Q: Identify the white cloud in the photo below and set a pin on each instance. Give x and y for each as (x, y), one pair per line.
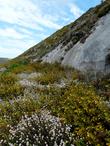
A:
(9, 52)
(15, 47)
(24, 13)
(29, 21)
(10, 32)
(17, 43)
(77, 12)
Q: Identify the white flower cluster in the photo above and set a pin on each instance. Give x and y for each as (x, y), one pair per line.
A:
(40, 129)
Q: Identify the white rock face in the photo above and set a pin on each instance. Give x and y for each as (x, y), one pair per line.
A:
(93, 54)
(54, 55)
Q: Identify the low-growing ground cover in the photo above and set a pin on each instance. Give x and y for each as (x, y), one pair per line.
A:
(72, 113)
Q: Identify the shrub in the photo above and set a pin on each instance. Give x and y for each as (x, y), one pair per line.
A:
(104, 10)
(11, 113)
(8, 78)
(85, 111)
(18, 66)
(9, 88)
(10, 91)
(40, 129)
(46, 67)
(52, 73)
(3, 129)
(48, 78)
(14, 110)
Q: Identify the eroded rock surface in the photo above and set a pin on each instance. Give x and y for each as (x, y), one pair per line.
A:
(92, 55)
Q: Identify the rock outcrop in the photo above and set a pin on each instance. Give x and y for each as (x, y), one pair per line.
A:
(83, 44)
(93, 54)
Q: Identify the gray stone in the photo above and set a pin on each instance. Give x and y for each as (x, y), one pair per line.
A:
(92, 55)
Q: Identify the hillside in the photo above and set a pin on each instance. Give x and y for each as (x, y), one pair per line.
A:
(53, 94)
(83, 44)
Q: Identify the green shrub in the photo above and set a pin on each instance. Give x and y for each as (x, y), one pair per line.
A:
(11, 113)
(104, 10)
(19, 66)
(85, 111)
(4, 129)
(8, 78)
(10, 91)
(48, 78)
(51, 73)
(9, 88)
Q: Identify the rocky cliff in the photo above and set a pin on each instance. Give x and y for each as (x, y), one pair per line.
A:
(83, 44)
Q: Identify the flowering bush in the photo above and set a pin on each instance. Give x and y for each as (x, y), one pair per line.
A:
(88, 114)
(40, 129)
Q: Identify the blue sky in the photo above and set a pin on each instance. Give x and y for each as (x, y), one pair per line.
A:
(24, 23)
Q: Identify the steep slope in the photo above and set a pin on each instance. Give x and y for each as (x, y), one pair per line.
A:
(94, 54)
(83, 44)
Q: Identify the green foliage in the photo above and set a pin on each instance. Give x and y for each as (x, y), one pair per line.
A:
(50, 92)
(11, 113)
(47, 67)
(9, 88)
(8, 78)
(49, 78)
(3, 129)
(101, 11)
(51, 73)
(85, 111)
(103, 87)
(19, 66)
(10, 91)
(76, 104)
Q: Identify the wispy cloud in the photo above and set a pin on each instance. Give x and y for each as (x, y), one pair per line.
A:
(9, 52)
(11, 33)
(24, 13)
(15, 47)
(77, 12)
(23, 23)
